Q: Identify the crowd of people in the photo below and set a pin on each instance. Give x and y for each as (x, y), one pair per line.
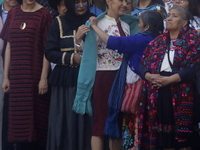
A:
(76, 75)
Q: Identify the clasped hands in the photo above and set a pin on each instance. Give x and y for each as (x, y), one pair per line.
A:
(157, 80)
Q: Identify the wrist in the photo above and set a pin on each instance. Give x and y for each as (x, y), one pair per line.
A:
(147, 76)
(43, 78)
(78, 41)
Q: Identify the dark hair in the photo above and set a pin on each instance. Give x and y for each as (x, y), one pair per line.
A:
(154, 20)
(184, 13)
(70, 5)
(19, 1)
(193, 8)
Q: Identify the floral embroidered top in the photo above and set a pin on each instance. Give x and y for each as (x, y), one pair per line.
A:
(108, 59)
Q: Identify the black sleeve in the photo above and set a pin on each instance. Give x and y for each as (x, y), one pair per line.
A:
(52, 51)
(143, 70)
(187, 74)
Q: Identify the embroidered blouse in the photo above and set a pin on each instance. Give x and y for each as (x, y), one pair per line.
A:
(108, 59)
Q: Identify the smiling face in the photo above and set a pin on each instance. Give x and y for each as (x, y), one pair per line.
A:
(81, 6)
(174, 21)
(129, 6)
(116, 7)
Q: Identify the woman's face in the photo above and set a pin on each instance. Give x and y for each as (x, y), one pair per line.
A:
(182, 3)
(80, 7)
(117, 7)
(141, 25)
(129, 6)
(62, 8)
(174, 21)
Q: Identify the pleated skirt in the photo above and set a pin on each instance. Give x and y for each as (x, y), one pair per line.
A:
(67, 130)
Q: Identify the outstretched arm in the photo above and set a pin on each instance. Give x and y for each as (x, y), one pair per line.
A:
(104, 36)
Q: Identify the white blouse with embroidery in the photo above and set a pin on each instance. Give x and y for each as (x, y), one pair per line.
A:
(109, 59)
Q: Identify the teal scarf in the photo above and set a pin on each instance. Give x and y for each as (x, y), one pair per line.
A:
(86, 77)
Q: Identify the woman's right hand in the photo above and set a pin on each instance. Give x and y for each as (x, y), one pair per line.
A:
(93, 21)
(6, 85)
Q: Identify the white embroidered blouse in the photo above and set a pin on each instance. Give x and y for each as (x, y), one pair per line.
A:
(108, 59)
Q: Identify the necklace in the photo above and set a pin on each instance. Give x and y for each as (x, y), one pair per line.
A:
(23, 24)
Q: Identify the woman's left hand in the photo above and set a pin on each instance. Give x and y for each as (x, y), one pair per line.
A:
(43, 86)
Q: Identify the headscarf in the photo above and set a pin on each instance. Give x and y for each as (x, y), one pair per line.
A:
(76, 20)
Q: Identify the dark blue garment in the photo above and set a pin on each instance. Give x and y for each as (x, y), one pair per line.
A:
(133, 45)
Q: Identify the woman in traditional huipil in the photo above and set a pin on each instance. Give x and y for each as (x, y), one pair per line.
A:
(67, 130)
(25, 72)
(168, 66)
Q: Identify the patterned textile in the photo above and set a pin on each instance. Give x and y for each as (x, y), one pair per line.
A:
(130, 132)
(186, 55)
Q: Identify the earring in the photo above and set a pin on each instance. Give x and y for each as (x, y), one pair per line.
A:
(110, 6)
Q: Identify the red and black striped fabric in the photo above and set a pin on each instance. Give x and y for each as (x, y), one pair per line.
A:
(28, 111)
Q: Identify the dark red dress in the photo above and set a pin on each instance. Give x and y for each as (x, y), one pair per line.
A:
(28, 111)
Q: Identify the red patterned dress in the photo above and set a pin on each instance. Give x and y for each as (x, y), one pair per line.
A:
(28, 111)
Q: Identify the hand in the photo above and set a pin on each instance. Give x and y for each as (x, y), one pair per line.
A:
(6, 85)
(80, 33)
(162, 81)
(77, 58)
(43, 86)
(151, 77)
(93, 21)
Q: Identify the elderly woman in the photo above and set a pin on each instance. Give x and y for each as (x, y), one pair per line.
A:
(167, 97)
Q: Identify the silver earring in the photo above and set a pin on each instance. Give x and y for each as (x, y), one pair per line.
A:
(110, 6)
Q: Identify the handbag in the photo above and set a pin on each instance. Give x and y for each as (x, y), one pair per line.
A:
(130, 102)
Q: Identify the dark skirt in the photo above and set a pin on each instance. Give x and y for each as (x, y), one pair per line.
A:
(102, 87)
(67, 130)
(166, 120)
